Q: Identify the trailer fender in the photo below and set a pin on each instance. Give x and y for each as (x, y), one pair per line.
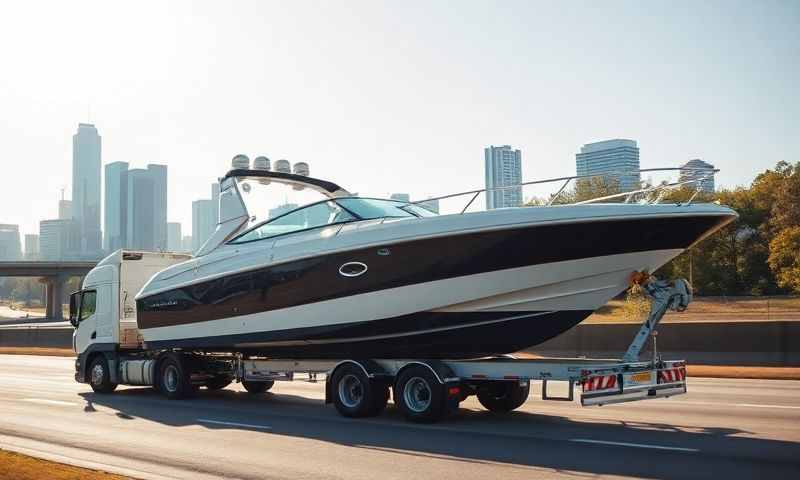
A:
(371, 369)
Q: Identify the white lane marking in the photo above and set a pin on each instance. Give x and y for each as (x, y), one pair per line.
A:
(744, 405)
(49, 402)
(234, 424)
(635, 445)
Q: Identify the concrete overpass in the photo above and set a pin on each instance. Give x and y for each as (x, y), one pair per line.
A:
(53, 274)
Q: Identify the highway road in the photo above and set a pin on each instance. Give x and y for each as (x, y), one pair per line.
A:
(723, 428)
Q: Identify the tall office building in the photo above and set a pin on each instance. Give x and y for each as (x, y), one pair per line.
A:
(174, 237)
(613, 160)
(158, 174)
(186, 243)
(86, 188)
(31, 246)
(10, 248)
(503, 167)
(696, 169)
(64, 208)
(136, 207)
(115, 231)
(403, 197)
(140, 213)
(205, 216)
(59, 239)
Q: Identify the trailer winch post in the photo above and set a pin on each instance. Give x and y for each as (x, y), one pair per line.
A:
(664, 295)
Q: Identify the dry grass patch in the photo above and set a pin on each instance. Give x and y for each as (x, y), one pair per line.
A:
(761, 373)
(22, 467)
(52, 352)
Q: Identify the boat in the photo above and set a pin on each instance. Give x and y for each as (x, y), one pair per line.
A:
(342, 276)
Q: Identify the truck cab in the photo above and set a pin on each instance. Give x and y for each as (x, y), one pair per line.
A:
(103, 311)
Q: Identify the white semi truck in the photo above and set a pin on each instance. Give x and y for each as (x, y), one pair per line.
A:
(110, 352)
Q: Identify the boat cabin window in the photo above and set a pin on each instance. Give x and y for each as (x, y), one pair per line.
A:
(312, 216)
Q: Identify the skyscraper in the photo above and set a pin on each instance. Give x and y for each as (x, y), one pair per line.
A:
(503, 168)
(10, 248)
(607, 159)
(31, 246)
(205, 216)
(693, 170)
(140, 213)
(64, 208)
(86, 153)
(58, 239)
(158, 174)
(403, 197)
(116, 211)
(174, 237)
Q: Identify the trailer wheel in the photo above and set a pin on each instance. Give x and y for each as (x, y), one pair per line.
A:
(100, 376)
(257, 387)
(355, 394)
(174, 381)
(219, 382)
(420, 395)
(503, 396)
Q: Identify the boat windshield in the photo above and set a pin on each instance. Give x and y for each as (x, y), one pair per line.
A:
(331, 212)
(313, 216)
(370, 208)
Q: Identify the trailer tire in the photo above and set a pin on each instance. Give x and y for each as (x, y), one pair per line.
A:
(355, 394)
(219, 382)
(257, 387)
(100, 375)
(503, 396)
(174, 380)
(420, 395)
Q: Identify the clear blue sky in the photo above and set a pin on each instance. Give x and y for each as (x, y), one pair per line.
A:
(390, 97)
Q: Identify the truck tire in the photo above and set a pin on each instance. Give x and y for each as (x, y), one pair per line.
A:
(100, 375)
(419, 395)
(356, 395)
(174, 380)
(219, 382)
(503, 397)
(257, 387)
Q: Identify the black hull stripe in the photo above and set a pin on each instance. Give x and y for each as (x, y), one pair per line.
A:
(473, 335)
(317, 279)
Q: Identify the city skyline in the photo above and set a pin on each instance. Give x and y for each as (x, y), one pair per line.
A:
(401, 88)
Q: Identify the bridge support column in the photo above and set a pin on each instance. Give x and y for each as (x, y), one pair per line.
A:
(54, 287)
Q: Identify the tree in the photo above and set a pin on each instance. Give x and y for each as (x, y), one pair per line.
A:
(784, 258)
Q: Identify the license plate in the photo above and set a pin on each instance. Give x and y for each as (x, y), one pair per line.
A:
(641, 377)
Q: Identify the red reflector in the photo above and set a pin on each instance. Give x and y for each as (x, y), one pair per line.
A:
(454, 391)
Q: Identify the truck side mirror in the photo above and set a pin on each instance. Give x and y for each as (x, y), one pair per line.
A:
(73, 308)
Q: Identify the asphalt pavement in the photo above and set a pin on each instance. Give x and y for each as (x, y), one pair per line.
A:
(722, 428)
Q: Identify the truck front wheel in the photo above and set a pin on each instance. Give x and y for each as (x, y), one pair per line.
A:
(100, 376)
(174, 380)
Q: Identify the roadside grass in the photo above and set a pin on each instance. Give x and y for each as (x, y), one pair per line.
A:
(709, 309)
(759, 373)
(22, 467)
(46, 351)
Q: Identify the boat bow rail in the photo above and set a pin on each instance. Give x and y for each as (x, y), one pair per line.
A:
(649, 194)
